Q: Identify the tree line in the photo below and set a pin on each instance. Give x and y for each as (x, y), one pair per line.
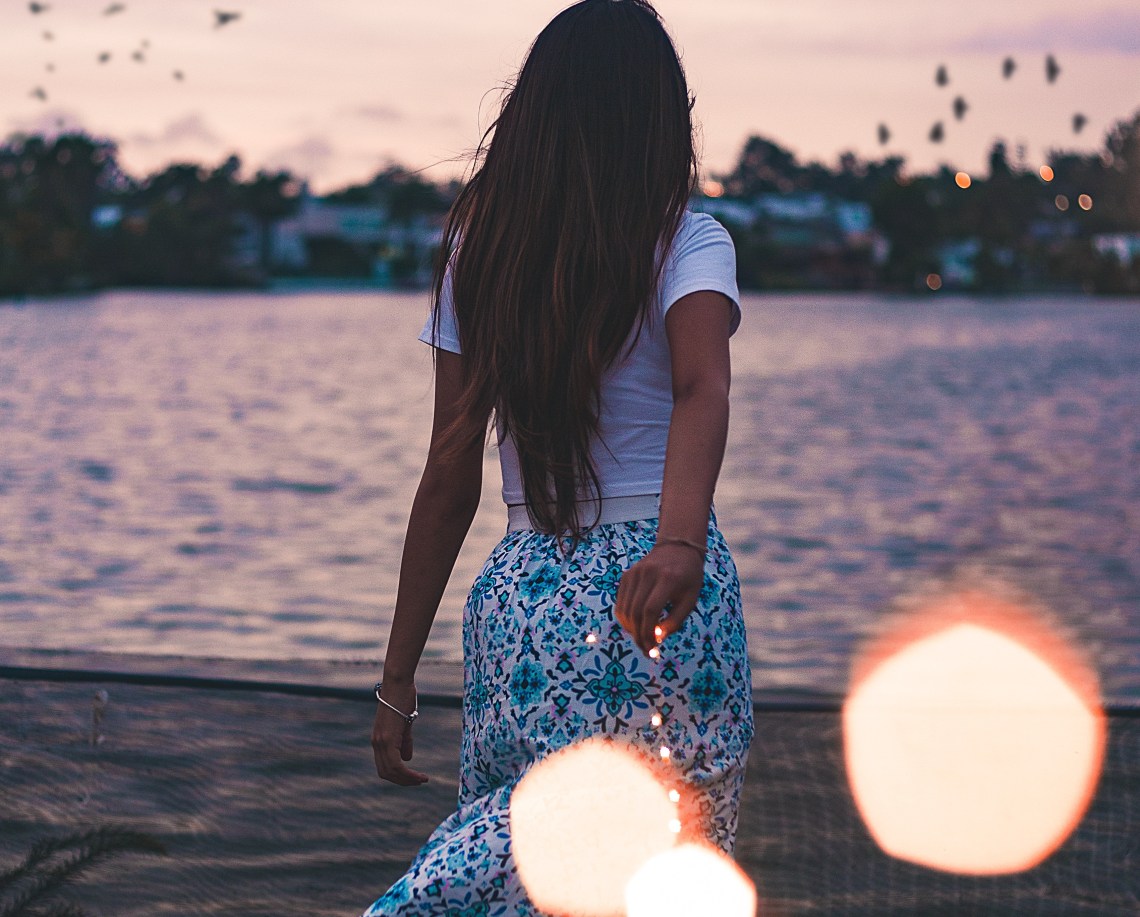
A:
(177, 226)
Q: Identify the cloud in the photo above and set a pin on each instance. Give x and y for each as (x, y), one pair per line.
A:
(1115, 30)
(307, 157)
(384, 113)
(191, 128)
(1107, 30)
(48, 123)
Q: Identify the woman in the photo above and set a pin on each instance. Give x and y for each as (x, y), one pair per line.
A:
(589, 313)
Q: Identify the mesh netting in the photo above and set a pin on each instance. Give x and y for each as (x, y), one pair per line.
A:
(268, 804)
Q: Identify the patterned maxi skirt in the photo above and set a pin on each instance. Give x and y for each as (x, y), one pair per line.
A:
(546, 664)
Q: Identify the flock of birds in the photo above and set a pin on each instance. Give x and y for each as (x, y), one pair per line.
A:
(221, 18)
(941, 76)
(1008, 66)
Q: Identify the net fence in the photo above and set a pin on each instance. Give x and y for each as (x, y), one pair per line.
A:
(266, 802)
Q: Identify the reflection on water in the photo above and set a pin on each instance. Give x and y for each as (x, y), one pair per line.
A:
(231, 473)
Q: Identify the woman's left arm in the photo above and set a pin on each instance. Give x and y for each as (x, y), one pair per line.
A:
(672, 574)
(441, 515)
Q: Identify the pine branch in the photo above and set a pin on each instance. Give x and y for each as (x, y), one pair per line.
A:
(60, 909)
(91, 846)
(40, 851)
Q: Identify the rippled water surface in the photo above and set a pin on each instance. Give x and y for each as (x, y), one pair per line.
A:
(231, 473)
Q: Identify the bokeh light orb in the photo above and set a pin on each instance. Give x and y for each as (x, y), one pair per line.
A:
(962, 180)
(934, 281)
(1046, 173)
(1061, 202)
(712, 188)
(1085, 202)
(973, 738)
(688, 880)
(584, 820)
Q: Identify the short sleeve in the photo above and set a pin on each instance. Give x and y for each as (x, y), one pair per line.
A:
(448, 331)
(703, 258)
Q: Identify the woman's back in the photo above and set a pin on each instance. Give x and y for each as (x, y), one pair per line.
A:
(636, 390)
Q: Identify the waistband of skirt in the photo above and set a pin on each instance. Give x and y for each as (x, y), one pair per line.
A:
(613, 509)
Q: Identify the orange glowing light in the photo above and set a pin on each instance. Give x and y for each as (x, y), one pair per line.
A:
(973, 737)
(934, 281)
(1046, 173)
(593, 809)
(690, 879)
(962, 180)
(1085, 202)
(1062, 202)
(591, 638)
(712, 188)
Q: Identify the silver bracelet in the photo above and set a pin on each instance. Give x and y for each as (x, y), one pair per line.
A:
(409, 718)
(666, 539)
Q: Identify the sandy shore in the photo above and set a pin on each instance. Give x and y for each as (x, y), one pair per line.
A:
(269, 805)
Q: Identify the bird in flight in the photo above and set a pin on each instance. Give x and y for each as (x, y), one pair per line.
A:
(1051, 68)
(1007, 67)
(38, 7)
(38, 93)
(178, 74)
(884, 134)
(104, 57)
(138, 55)
(113, 8)
(940, 76)
(936, 132)
(960, 107)
(1079, 121)
(224, 17)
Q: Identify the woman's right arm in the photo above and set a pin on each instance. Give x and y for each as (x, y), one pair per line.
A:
(442, 512)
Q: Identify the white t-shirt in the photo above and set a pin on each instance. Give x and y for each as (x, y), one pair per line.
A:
(637, 390)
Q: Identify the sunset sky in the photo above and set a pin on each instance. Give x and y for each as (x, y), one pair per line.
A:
(334, 91)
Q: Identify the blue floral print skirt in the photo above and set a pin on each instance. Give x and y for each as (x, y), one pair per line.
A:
(546, 664)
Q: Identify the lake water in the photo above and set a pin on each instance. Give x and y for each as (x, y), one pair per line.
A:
(231, 473)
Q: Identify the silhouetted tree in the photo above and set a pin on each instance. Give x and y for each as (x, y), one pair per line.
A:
(47, 192)
(268, 198)
(1122, 146)
(764, 166)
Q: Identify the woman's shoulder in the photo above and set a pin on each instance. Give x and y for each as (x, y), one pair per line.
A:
(703, 258)
(698, 230)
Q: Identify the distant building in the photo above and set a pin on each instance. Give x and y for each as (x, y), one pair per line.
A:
(1123, 246)
(851, 219)
(106, 216)
(727, 210)
(359, 239)
(958, 262)
(804, 234)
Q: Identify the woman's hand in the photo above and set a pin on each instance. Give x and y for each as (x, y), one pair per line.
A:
(392, 736)
(670, 574)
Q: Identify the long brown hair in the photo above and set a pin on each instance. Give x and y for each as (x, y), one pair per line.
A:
(557, 242)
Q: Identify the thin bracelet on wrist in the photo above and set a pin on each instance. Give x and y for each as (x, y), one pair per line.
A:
(409, 718)
(667, 539)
